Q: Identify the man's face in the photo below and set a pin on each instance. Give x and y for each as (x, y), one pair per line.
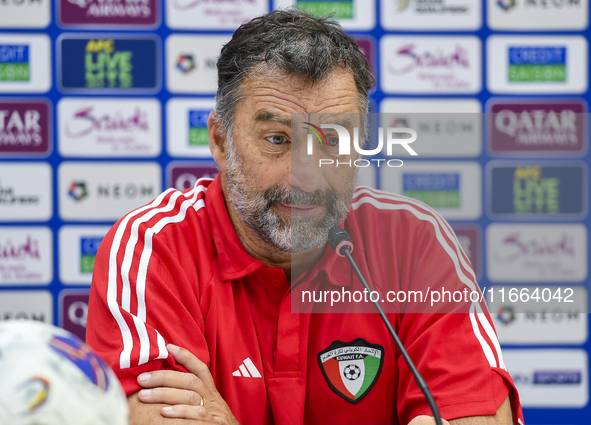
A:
(279, 192)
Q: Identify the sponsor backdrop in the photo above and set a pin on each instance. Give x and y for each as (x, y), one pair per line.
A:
(104, 103)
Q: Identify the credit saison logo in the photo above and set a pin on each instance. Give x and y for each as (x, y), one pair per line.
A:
(438, 190)
(14, 62)
(88, 249)
(198, 135)
(340, 138)
(537, 64)
(342, 9)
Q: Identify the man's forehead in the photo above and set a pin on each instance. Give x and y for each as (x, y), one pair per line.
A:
(287, 93)
(343, 119)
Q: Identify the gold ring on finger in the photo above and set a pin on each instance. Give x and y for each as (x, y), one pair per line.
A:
(202, 402)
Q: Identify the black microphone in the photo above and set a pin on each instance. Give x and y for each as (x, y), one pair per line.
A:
(341, 242)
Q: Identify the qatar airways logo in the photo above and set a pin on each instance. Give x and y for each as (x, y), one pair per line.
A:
(409, 58)
(85, 121)
(515, 247)
(110, 12)
(337, 140)
(24, 127)
(534, 126)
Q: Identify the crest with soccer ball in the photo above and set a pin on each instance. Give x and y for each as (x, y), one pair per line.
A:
(351, 368)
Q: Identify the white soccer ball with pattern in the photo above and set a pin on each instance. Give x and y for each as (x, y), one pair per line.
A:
(50, 377)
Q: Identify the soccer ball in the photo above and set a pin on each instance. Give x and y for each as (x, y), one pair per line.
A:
(49, 377)
(352, 372)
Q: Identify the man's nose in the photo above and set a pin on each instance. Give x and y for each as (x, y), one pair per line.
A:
(305, 172)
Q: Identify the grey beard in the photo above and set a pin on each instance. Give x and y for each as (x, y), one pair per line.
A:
(295, 233)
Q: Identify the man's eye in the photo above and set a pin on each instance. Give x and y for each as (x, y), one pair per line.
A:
(277, 140)
(333, 141)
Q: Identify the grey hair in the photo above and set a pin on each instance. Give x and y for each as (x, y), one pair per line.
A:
(291, 41)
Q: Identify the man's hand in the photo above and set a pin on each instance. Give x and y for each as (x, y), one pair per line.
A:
(189, 395)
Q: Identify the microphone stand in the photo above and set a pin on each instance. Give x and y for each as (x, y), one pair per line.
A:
(346, 251)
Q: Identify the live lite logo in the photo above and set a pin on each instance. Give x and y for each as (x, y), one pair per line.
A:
(99, 65)
(106, 67)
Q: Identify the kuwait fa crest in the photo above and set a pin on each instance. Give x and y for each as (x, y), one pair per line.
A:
(351, 368)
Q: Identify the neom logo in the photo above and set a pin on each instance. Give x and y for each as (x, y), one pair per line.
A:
(439, 127)
(552, 316)
(79, 190)
(121, 191)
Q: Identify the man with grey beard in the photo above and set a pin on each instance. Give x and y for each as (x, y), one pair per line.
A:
(289, 233)
(214, 269)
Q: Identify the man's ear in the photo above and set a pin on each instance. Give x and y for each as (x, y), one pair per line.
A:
(217, 141)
